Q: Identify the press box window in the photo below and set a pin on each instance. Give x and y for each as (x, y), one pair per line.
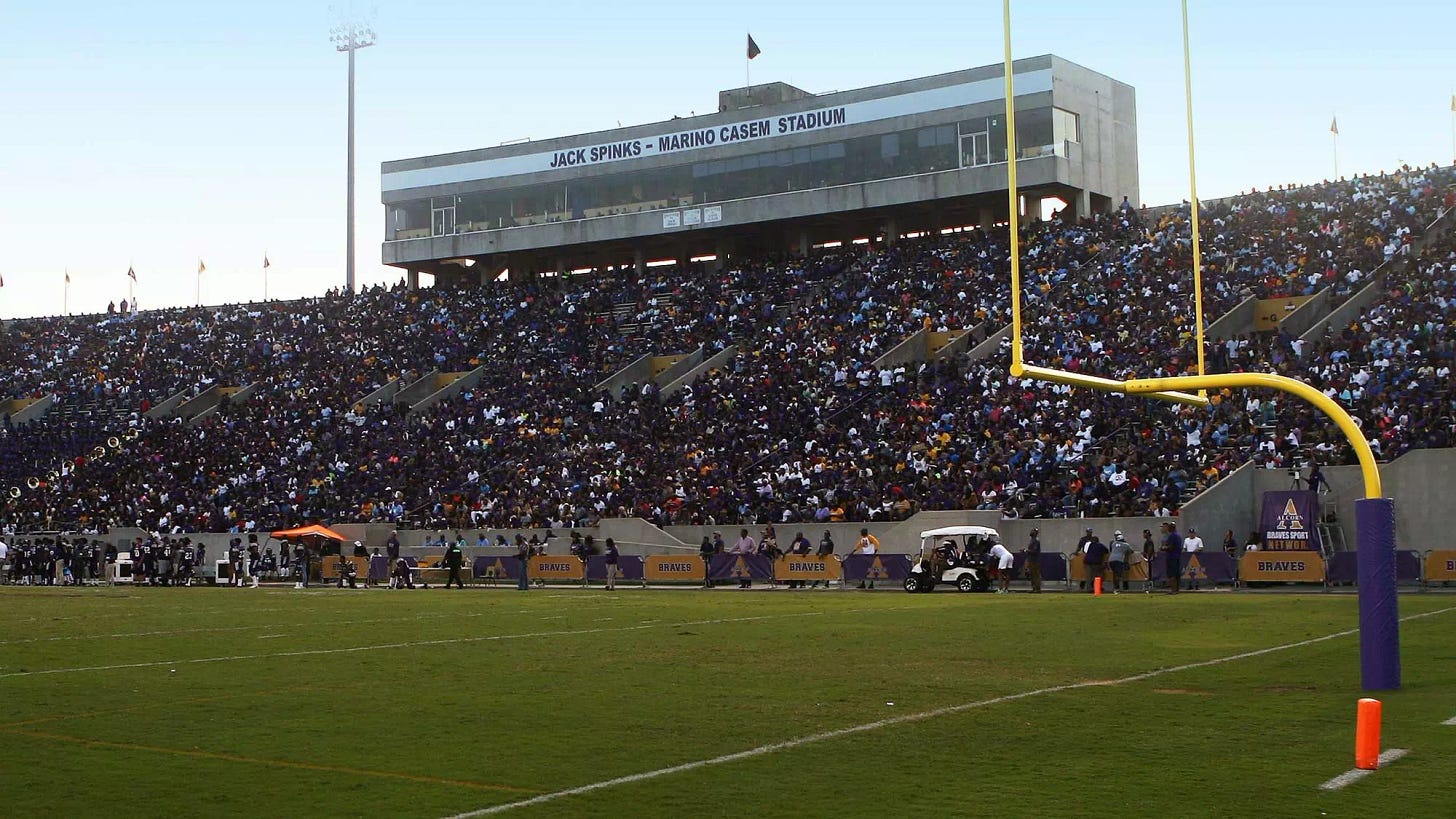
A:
(1064, 126)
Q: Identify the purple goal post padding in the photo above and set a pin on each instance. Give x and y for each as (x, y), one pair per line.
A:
(1379, 614)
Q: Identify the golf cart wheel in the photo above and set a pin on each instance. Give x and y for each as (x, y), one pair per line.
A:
(966, 583)
(912, 584)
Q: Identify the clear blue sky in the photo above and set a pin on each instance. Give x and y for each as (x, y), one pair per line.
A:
(154, 133)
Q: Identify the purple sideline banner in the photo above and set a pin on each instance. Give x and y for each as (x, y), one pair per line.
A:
(629, 567)
(732, 567)
(1344, 567)
(875, 567)
(1288, 522)
(378, 568)
(502, 568)
(1213, 567)
(1053, 567)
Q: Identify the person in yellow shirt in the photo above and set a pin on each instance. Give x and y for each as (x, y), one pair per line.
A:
(868, 544)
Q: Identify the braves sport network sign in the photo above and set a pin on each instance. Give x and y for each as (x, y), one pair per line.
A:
(1288, 522)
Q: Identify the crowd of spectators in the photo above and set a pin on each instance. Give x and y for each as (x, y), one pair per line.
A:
(800, 425)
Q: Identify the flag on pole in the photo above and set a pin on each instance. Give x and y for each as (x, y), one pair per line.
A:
(1453, 103)
(1335, 126)
(265, 261)
(2, 281)
(131, 273)
(753, 49)
(68, 276)
(201, 268)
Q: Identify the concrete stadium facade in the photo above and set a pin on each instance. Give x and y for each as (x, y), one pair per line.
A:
(776, 169)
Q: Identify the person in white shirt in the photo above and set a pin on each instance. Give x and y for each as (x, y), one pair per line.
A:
(4, 556)
(1191, 545)
(1004, 563)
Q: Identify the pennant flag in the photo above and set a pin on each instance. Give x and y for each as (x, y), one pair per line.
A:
(2, 281)
(201, 268)
(753, 49)
(1453, 103)
(68, 277)
(265, 261)
(131, 273)
(1335, 126)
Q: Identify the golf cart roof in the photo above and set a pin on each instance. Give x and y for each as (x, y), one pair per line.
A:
(953, 531)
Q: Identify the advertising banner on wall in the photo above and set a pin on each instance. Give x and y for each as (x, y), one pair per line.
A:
(1282, 567)
(1288, 521)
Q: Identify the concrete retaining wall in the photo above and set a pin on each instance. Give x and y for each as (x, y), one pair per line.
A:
(1236, 322)
(705, 365)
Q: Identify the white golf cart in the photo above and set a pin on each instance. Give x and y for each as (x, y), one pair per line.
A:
(953, 554)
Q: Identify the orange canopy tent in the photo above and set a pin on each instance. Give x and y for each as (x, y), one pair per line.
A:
(313, 530)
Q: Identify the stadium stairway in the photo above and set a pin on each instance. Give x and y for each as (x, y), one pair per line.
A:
(691, 374)
(1377, 285)
(25, 410)
(448, 385)
(659, 369)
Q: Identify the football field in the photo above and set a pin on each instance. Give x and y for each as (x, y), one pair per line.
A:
(277, 702)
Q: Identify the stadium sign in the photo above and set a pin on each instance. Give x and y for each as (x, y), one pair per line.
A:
(667, 568)
(547, 567)
(755, 129)
(1288, 521)
(804, 567)
(1282, 567)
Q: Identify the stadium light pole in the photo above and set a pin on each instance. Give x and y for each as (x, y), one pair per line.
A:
(349, 36)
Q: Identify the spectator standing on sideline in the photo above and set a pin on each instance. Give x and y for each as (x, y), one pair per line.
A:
(454, 559)
(743, 548)
(301, 561)
(1230, 545)
(1192, 546)
(868, 545)
(1093, 559)
(825, 551)
(1087, 537)
(1118, 557)
(391, 547)
(800, 546)
(1033, 560)
(1004, 563)
(523, 556)
(1150, 550)
(706, 550)
(1173, 554)
(612, 557)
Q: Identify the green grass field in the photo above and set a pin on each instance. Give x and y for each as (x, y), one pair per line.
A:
(212, 702)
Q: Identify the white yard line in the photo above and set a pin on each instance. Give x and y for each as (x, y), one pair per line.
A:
(1356, 774)
(416, 644)
(1451, 721)
(207, 629)
(901, 720)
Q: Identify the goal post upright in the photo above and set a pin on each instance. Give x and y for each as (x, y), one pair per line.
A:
(1380, 667)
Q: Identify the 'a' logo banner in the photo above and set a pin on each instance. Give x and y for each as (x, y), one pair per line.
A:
(1289, 520)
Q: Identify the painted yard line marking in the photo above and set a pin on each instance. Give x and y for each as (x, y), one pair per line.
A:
(417, 644)
(207, 629)
(1356, 774)
(901, 720)
(1451, 721)
(276, 763)
(154, 704)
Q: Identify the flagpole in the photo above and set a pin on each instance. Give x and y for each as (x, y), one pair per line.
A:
(265, 275)
(66, 294)
(1335, 143)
